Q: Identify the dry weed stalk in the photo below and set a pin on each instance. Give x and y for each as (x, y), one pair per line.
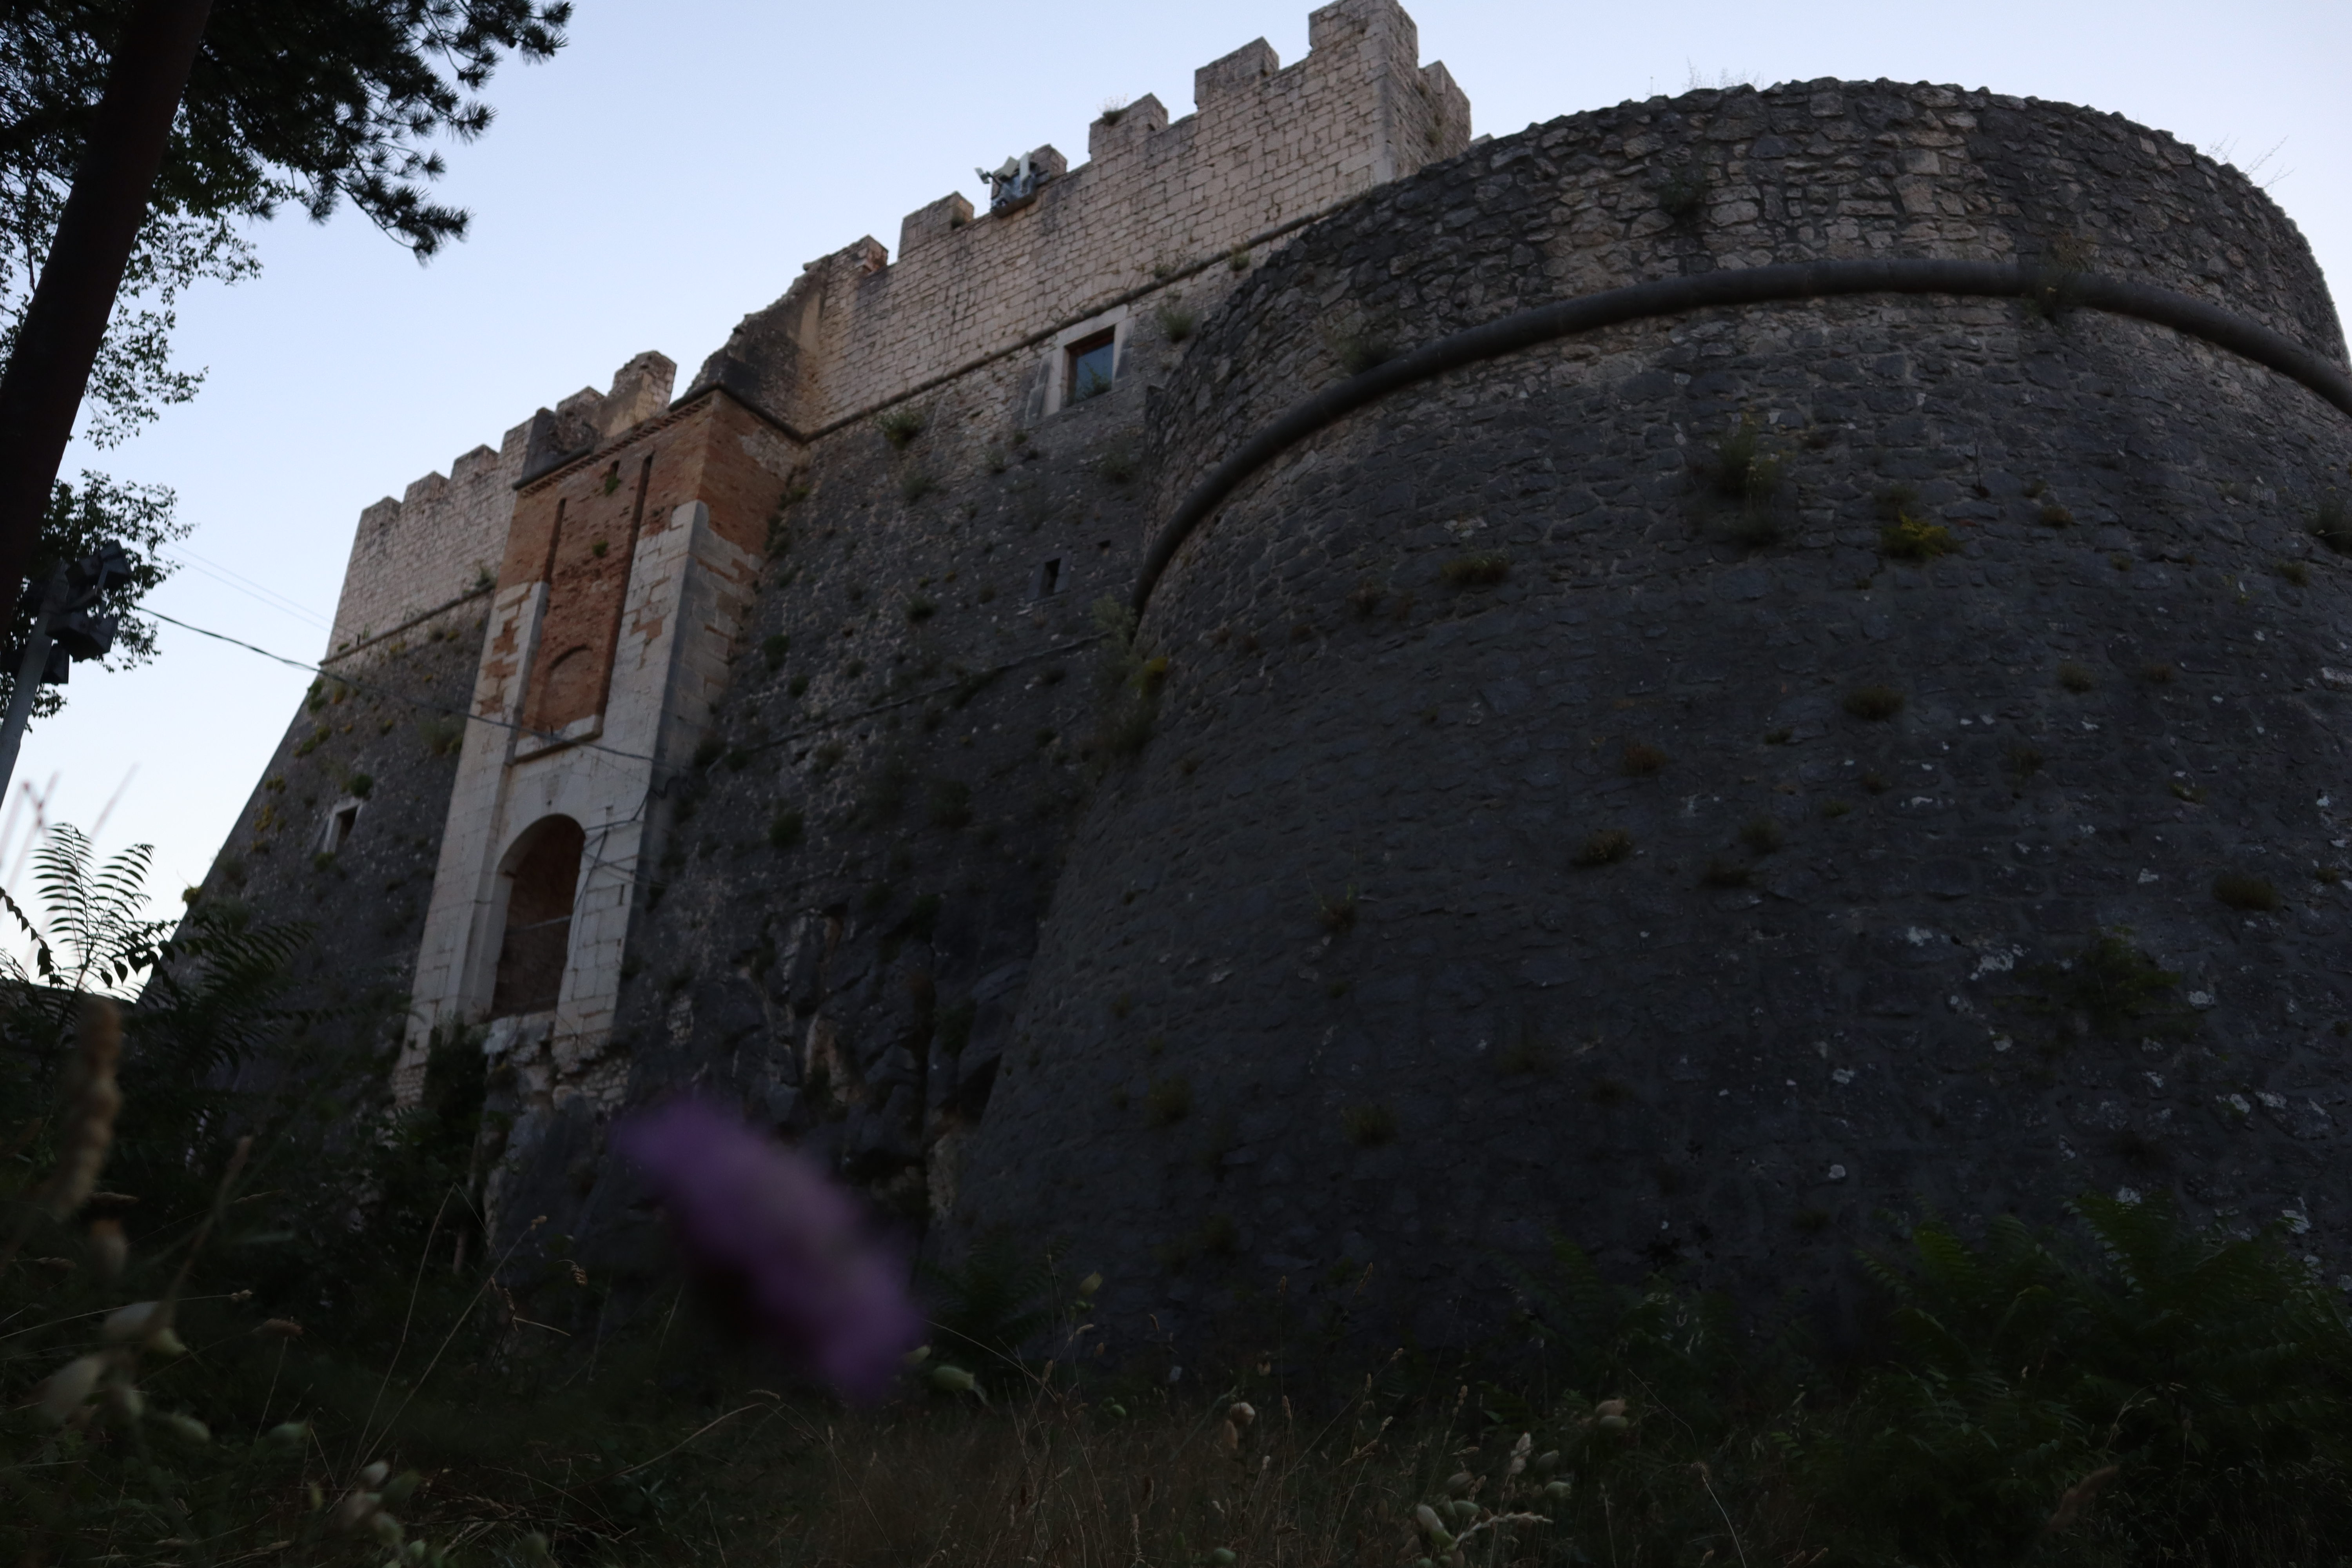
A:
(108, 1379)
(93, 1101)
(1058, 1480)
(86, 1131)
(100, 1386)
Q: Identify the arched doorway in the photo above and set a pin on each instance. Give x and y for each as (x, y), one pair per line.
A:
(544, 875)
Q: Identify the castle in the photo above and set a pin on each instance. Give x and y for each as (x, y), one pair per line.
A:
(1311, 702)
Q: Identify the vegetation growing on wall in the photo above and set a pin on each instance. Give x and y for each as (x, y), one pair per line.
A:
(1127, 682)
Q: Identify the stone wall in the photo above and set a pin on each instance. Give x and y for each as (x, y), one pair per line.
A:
(1539, 839)
(394, 720)
(1696, 788)
(626, 537)
(436, 543)
(1266, 147)
(618, 542)
(1818, 170)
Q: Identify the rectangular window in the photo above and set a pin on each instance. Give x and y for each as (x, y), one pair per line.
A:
(1092, 360)
(1048, 580)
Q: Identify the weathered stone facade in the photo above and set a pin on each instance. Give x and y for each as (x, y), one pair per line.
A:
(344, 826)
(1817, 976)
(1688, 786)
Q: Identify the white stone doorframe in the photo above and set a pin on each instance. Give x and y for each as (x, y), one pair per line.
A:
(689, 591)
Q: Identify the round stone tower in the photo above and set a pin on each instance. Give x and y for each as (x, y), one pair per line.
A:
(1700, 774)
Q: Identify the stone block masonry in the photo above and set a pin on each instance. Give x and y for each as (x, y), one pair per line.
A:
(437, 542)
(1726, 861)
(341, 829)
(1265, 147)
(837, 929)
(585, 638)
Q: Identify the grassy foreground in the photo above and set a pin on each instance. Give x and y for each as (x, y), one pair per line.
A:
(246, 1318)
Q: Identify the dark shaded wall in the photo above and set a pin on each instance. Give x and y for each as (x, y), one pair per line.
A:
(394, 719)
(837, 927)
(1342, 972)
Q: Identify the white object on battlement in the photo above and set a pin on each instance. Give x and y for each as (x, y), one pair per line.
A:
(1014, 184)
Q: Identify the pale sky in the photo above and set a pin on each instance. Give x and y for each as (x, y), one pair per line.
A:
(672, 169)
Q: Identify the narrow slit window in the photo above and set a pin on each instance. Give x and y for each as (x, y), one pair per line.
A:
(339, 827)
(554, 538)
(1049, 579)
(1092, 362)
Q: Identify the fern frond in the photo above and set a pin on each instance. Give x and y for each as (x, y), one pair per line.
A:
(42, 959)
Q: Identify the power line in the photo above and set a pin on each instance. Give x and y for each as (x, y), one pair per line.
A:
(239, 583)
(970, 683)
(358, 685)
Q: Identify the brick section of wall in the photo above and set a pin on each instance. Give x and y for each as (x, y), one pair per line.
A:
(446, 535)
(590, 546)
(577, 530)
(1266, 146)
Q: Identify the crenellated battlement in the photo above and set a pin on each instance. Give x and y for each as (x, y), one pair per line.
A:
(443, 538)
(1265, 147)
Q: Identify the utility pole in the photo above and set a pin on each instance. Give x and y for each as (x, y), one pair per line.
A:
(31, 675)
(67, 627)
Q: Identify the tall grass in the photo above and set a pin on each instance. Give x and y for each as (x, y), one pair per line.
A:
(245, 1318)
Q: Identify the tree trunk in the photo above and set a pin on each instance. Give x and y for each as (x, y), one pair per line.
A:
(64, 326)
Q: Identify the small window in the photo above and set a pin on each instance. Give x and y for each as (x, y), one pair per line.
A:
(1049, 579)
(340, 823)
(1092, 360)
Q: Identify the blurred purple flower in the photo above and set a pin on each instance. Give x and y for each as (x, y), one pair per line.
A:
(788, 1246)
